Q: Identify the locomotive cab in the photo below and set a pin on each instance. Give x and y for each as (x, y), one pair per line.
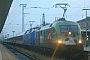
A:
(67, 34)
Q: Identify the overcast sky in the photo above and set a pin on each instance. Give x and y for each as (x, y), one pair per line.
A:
(14, 18)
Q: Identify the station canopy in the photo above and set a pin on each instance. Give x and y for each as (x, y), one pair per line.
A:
(4, 10)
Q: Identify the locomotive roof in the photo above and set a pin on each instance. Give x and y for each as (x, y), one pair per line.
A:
(65, 22)
(21, 33)
(45, 27)
(55, 22)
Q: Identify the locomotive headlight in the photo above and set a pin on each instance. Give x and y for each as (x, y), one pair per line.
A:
(80, 41)
(69, 33)
(60, 41)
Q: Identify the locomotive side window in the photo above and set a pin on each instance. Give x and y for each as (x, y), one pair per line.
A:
(41, 33)
(53, 29)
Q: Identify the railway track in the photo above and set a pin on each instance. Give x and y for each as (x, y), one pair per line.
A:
(20, 55)
(39, 56)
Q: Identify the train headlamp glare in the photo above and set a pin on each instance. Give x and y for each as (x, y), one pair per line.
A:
(59, 41)
(69, 33)
(80, 41)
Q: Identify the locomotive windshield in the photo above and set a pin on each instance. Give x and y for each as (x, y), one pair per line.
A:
(64, 29)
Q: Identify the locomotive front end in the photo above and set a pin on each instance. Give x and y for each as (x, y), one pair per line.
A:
(69, 36)
(70, 43)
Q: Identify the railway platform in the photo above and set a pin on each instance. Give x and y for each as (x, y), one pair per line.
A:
(5, 54)
(87, 49)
